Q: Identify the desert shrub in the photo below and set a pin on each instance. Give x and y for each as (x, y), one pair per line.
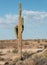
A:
(15, 50)
(2, 59)
(35, 40)
(36, 58)
(16, 59)
(0, 52)
(29, 61)
(45, 46)
(25, 55)
(16, 46)
(6, 63)
(39, 59)
(9, 51)
(38, 41)
(26, 43)
(42, 61)
(10, 62)
(20, 63)
(45, 40)
(45, 52)
(2, 47)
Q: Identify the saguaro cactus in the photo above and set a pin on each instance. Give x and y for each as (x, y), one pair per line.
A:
(16, 28)
(19, 29)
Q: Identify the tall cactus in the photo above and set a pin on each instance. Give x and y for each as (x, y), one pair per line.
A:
(19, 29)
(16, 28)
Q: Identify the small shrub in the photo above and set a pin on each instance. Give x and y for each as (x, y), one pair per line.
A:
(26, 55)
(26, 43)
(7, 63)
(20, 63)
(45, 52)
(15, 51)
(2, 59)
(42, 61)
(38, 41)
(45, 40)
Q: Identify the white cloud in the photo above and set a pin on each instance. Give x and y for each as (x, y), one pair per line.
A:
(11, 18)
(31, 16)
(8, 20)
(35, 15)
(1, 20)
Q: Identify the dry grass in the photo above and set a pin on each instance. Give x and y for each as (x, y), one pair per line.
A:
(29, 59)
(45, 53)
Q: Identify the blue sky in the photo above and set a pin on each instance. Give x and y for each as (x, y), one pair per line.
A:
(35, 18)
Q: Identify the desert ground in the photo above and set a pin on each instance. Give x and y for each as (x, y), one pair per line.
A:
(34, 52)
